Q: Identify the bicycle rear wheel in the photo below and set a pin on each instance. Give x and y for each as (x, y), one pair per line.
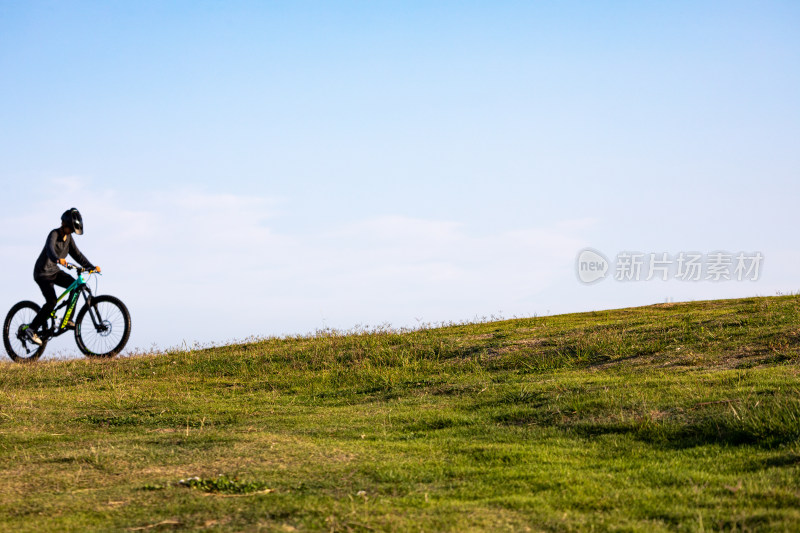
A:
(102, 329)
(18, 348)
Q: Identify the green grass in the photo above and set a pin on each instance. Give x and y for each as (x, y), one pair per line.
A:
(679, 417)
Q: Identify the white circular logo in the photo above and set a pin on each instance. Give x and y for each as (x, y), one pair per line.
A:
(591, 265)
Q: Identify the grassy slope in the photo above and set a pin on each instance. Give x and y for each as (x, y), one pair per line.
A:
(671, 417)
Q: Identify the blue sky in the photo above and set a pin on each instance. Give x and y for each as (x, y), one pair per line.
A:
(268, 168)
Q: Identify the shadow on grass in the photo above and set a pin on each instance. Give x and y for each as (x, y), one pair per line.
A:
(766, 429)
(698, 434)
(767, 425)
(156, 420)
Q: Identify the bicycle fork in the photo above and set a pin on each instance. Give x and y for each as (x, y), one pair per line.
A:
(99, 325)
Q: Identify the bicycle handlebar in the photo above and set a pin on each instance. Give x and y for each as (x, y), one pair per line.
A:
(71, 266)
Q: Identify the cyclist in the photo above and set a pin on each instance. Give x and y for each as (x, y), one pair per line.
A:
(46, 273)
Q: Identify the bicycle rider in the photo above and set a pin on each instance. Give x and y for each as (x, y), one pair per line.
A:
(46, 273)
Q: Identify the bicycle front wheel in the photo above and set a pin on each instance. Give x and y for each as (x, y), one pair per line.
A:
(103, 327)
(20, 349)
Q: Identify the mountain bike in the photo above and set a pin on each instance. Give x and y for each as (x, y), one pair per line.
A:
(102, 326)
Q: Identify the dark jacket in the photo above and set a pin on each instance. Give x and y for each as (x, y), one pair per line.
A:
(57, 247)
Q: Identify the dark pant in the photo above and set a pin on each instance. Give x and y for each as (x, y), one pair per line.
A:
(62, 279)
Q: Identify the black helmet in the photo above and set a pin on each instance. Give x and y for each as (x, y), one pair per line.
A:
(73, 220)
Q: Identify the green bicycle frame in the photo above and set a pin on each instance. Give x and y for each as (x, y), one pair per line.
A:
(74, 291)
